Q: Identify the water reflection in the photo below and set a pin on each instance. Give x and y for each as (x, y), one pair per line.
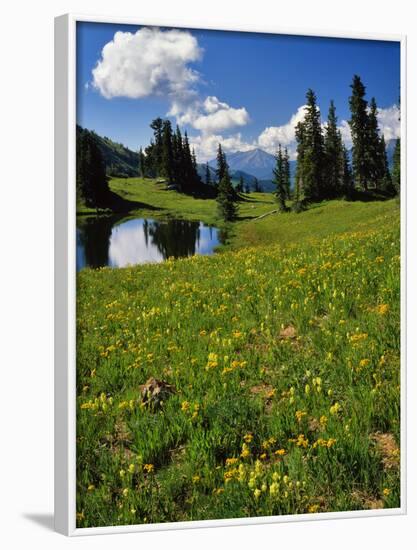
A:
(107, 241)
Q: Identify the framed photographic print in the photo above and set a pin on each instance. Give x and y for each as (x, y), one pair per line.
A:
(229, 220)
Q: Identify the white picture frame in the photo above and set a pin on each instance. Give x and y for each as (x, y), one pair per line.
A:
(65, 288)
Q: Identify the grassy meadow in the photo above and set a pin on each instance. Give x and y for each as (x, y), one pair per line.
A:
(282, 355)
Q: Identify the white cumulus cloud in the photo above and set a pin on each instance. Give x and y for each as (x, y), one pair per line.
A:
(388, 122)
(147, 62)
(156, 62)
(272, 136)
(208, 116)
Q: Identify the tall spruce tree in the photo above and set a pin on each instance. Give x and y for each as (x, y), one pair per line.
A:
(333, 155)
(286, 173)
(208, 174)
(91, 180)
(226, 196)
(309, 137)
(375, 149)
(347, 187)
(359, 129)
(299, 135)
(167, 161)
(156, 151)
(178, 150)
(385, 183)
(189, 179)
(221, 164)
(279, 180)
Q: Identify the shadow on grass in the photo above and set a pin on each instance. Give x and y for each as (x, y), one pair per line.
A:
(118, 204)
(245, 198)
(369, 196)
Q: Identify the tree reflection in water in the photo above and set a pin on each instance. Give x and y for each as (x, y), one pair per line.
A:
(118, 242)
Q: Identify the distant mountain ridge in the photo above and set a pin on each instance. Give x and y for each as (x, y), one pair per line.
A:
(256, 162)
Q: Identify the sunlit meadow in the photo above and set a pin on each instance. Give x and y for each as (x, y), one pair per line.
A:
(282, 366)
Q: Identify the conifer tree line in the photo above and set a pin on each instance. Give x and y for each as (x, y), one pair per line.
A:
(91, 181)
(323, 167)
(169, 156)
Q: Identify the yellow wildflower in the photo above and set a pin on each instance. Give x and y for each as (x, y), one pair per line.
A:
(313, 508)
(334, 409)
(382, 309)
(299, 415)
(245, 451)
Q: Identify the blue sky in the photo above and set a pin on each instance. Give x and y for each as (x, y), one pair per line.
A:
(246, 90)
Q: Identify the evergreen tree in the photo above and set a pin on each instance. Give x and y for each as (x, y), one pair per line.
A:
(142, 169)
(188, 164)
(359, 129)
(226, 196)
(396, 168)
(167, 159)
(256, 185)
(376, 152)
(194, 160)
(299, 135)
(208, 175)
(279, 180)
(247, 188)
(286, 173)
(221, 164)
(385, 181)
(311, 154)
(178, 151)
(91, 180)
(156, 150)
(347, 187)
(334, 156)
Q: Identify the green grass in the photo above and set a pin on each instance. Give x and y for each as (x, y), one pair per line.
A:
(146, 197)
(283, 356)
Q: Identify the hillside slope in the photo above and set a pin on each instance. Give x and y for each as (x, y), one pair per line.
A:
(119, 160)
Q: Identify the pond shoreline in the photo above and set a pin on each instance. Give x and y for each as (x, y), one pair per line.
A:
(121, 241)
